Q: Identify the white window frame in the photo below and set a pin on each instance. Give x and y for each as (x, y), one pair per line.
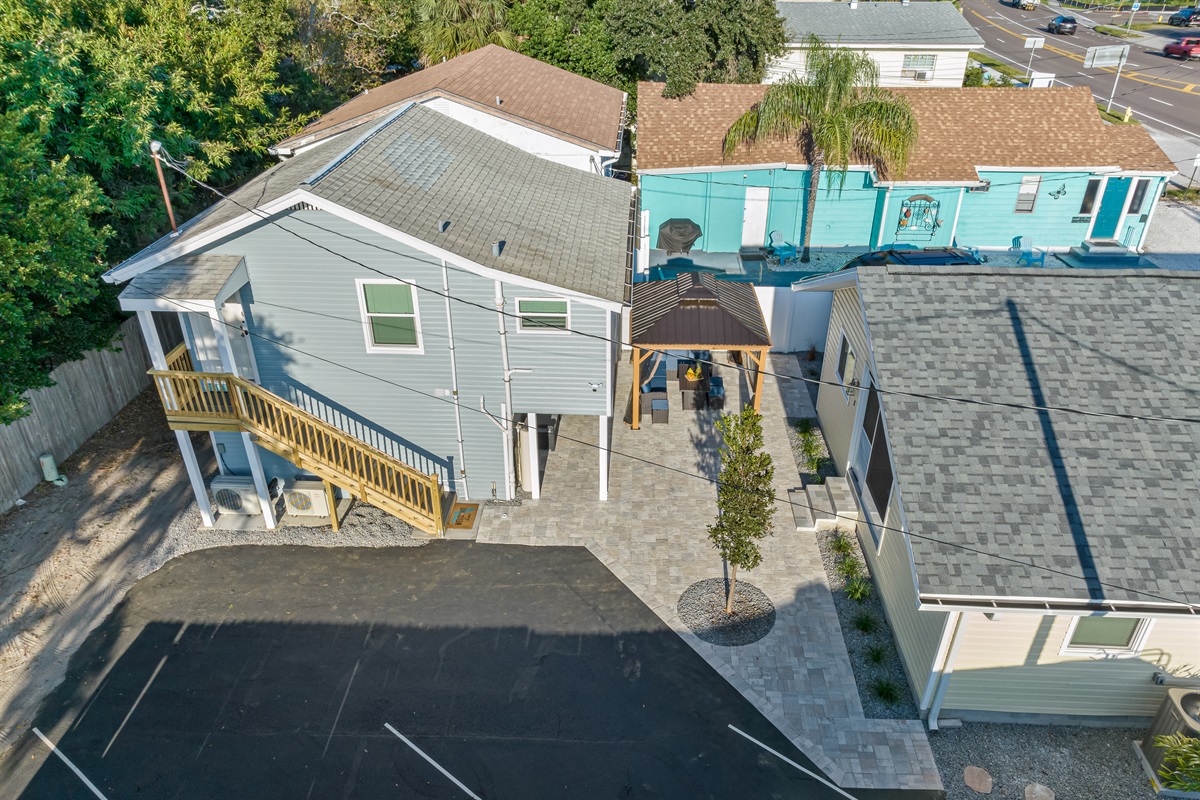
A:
(1028, 180)
(911, 72)
(368, 334)
(1136, 644)
(844, 382)
(541, 331)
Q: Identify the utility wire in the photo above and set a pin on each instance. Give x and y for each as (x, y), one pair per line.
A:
(715, 481)
(610, 340)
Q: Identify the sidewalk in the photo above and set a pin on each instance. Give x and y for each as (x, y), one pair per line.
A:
(652, 534)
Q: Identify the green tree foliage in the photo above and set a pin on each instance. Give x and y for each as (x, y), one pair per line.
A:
(50, 257)
(836, 114)
(745, 498)
(449, 28)
(572, 34)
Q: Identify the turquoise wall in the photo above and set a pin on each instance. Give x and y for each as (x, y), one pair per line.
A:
(927, 224)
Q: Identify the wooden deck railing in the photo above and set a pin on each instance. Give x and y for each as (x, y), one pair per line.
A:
(179, 359)
(220, 402)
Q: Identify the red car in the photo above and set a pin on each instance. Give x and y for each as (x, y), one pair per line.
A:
(1185, 49)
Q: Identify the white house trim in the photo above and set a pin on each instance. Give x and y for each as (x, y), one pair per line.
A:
(1162, 185)
(1053, 605)
(368, 335)
(1136, 644)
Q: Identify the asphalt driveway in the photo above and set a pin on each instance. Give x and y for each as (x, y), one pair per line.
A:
(513, 672)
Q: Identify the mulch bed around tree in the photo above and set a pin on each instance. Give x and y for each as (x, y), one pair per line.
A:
(702, 609)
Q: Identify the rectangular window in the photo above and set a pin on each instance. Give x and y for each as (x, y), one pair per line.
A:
(543, 315)
(1113, 636)
(1089, 196)
(391, 319)
(845, 364)
(918, 64)
(1027, 194)
(1139, 195)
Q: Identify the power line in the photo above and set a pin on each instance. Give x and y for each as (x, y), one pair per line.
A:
(610, 340)
(716, 482)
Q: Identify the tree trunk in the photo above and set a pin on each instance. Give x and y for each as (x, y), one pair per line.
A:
(818, 165)
(732, 586)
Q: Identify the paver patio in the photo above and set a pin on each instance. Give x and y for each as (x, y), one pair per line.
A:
(652, 534)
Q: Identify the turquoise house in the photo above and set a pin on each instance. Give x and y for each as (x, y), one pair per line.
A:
(990, 165)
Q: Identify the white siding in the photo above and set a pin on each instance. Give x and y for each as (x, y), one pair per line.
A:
(834, 410)
(531, 141)
(948, 70)
(1012, 665)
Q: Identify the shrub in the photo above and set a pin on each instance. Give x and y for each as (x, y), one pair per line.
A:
(876, 654)
(811, 355)
(1181, 764)
(848, 569)
(804, 426)
(858, 589)
(866, 623)
(812, 451)
(841, 544)
(886, 690)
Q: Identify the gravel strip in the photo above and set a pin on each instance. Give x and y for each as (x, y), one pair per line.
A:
(1076, 762)
(702, 608)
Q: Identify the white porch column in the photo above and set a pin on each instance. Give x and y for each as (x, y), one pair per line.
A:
(532, 457)
(252, 457)
(159, 360)
(605, 453)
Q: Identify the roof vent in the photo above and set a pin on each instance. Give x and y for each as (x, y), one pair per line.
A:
(498, 247)
(443, 225)
(903, 2)
(498, 100)
(854, 3)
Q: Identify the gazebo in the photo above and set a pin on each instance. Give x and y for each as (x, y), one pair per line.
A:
(696, 311)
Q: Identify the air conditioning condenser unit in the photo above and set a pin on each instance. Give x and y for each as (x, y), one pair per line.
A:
(306, 498)
(235, 494)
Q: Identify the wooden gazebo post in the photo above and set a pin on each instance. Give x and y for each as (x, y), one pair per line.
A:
(636, 399)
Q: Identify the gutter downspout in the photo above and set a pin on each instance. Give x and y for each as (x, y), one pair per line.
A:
(957, 214)
(462, 458)
(510, 479)
(947, 671)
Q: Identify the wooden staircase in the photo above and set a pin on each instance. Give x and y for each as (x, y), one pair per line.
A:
(213, 401)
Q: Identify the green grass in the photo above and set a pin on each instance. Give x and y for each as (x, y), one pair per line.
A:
(1113, 117)
(1111, 31)
(1184, 195)
(998, 66)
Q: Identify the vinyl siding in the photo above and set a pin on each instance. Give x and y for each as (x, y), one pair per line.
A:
(1012, 665)
(948, 71)
(917, 633)
(834, 411)
(303, 311)
(913, 233)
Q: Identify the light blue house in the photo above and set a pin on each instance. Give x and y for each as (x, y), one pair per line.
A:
(401, 313)
(990, 165)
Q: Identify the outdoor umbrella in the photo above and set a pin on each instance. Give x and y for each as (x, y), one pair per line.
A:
(678, 235)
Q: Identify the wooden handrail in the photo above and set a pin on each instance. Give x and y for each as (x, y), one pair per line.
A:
(218, 401)
(179, 359)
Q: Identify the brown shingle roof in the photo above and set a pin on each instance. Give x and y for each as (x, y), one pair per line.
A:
(960, 129)
(531, 91)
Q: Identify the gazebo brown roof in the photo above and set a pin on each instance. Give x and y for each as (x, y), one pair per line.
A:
(696, 311)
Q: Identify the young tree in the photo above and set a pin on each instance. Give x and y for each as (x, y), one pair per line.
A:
(836, 113)
(449, 28)
(745, 499)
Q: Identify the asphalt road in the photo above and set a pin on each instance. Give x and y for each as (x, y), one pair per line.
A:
(1163, 92)
(275, 672)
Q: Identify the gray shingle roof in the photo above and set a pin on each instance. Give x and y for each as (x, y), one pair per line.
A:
(196, 276)
(1059, 489)
(921, 23)
(560, 226)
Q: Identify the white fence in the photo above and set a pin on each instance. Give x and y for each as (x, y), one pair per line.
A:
(87, 394)
(796, 320)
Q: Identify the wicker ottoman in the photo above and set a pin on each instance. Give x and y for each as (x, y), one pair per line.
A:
(660, 411)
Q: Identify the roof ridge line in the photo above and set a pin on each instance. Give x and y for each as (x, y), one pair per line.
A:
(324, 171)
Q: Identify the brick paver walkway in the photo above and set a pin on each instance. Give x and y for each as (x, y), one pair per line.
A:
(652, 534)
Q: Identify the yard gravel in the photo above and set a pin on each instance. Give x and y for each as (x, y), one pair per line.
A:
(1076, 762)
(702, 609)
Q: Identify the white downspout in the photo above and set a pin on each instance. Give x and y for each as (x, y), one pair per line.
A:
(462, 458)
(957, 213)
(947, 671)
(883, 218)
(510, 479)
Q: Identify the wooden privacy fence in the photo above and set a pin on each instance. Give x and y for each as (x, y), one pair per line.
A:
(86, 394)
(214, 401)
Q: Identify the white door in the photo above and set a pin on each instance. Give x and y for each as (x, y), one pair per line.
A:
(239, 340)
(754, 218)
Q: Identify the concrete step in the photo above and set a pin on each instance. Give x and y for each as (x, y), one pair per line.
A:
(1104, 247)
(800, 510)
(822, 505)
(843, 499)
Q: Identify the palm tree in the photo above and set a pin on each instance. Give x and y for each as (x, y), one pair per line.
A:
(449, 28)
(836, 113)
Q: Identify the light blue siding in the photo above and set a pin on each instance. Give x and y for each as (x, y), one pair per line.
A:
(302, 310)
(931, 228)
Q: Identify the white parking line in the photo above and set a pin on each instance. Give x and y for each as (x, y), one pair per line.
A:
(142, 694)
(438, 766)
(1164, 102)
(67, 761)
(342, 706)
(777, 754)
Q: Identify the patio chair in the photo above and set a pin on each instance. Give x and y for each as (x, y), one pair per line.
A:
(781, 251)
(1026, 253)
(716, 396)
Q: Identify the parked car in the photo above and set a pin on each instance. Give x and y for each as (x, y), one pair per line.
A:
(1026, 5)
(1061, 24)
(1185, 17)
(928, 256)
(1185, 48)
